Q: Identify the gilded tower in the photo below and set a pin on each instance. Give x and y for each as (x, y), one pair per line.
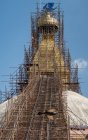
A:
(50, 54)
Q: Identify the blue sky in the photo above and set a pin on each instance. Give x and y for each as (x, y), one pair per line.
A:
(15, 31)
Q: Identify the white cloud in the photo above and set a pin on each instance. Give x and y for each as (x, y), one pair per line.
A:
(82, 64)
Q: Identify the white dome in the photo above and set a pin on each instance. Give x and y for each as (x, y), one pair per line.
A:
(77, 108)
